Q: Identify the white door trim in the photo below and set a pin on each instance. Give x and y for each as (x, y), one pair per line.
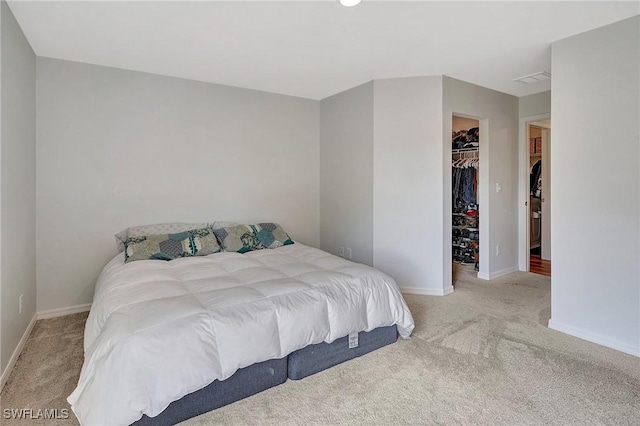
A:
(523, 194)
(545, 224)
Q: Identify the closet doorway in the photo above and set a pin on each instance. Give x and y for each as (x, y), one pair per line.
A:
(465, 219)
(539, 201)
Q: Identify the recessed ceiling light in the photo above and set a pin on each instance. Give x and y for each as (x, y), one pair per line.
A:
(350, 3)
(533, 78)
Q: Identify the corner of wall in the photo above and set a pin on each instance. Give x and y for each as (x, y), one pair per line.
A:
(346, 205)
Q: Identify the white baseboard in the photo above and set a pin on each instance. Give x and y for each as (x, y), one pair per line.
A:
(60, 312)
(497, 274)
(427, 291)
(51, 313)
(595, 338)
(16, 353)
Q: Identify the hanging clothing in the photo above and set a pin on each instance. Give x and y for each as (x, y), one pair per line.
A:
(536, 171)
(464, 185)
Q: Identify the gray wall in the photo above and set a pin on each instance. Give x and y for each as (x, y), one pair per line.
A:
(17, 183)
(408, 173)
(595, 164)
(118, 148)
(498, 165)
(346, 173)
(536, 104)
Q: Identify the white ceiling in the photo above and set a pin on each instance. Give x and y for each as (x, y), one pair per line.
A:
(315, 49)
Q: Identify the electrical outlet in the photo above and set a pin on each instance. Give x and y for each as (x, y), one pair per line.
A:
(498, 187)
(20, 304)
(498, 250)
(349, 253)
(341, 252)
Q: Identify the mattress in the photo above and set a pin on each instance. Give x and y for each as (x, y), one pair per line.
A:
(158, 331)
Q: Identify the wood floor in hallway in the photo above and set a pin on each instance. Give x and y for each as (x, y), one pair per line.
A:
(540, 266)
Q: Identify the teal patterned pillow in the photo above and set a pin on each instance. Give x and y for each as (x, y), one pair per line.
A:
(244, 238)
(156, 229)
(271, 235)
(239, 238)
(196, 242)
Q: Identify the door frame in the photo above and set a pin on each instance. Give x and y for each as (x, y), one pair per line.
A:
(524, 230)
(483, 195)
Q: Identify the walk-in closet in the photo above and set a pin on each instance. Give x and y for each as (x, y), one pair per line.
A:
(465, 161)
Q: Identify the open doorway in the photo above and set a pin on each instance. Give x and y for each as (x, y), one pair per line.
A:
(539, 201)
(465, 220)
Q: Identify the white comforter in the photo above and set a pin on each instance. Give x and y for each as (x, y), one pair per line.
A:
(160, 330)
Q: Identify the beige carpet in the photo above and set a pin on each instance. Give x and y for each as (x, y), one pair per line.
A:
(482, 355)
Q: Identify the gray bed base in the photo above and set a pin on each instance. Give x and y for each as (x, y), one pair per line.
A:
(264, 375)
(244, 382)
(315, 358)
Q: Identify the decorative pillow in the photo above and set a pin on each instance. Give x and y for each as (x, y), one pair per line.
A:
(239, 238)
(244, 238)
(271, 235)
(155, 229)
(195, 242)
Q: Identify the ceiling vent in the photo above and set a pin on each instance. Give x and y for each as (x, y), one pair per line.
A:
(533, 78)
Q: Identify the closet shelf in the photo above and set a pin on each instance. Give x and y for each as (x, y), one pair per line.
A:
(465, 227)
(465, 215)
(464, 262)
(459, 150)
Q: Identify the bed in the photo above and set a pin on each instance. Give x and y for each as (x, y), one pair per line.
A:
(165, 341)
